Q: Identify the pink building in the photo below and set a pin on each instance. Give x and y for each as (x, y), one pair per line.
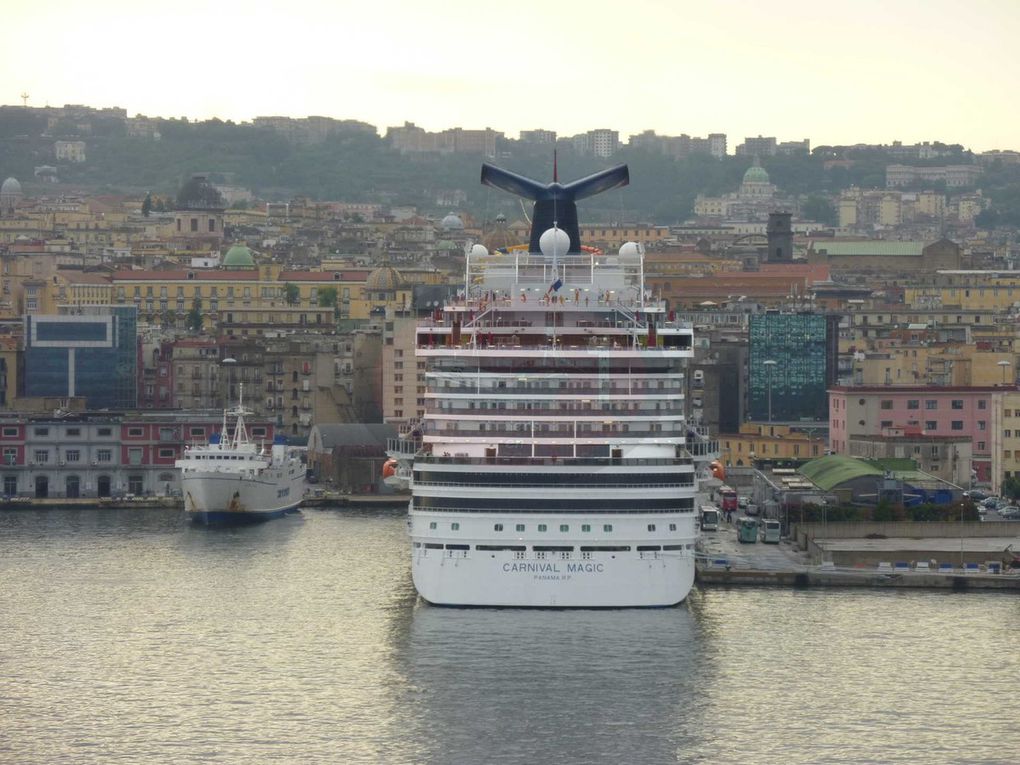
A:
(918, 411)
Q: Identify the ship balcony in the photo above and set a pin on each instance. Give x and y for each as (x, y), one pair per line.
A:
(402, 448)
(565, 462)
(511, 434)
(531, 388)
(562, 350)
(582, 409)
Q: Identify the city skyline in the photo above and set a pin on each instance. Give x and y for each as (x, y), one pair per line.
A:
(892, 71)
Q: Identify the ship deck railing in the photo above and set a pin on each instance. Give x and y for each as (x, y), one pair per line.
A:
(571, 485)
(433, 459)
(403, 447)
(558, 346)
(501, 322)
(703, 449)
(546, 434)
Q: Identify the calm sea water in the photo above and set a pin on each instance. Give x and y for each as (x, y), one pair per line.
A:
(129, 636)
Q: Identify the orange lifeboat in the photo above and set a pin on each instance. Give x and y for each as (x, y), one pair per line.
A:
(718, 471)
(389, 468)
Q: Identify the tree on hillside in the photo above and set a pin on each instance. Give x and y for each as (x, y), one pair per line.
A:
(819, 209)
(291, 293)
(198, 193)
(194, 318)
(147, 205)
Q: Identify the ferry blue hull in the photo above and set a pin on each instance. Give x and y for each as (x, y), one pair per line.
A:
(243, 518)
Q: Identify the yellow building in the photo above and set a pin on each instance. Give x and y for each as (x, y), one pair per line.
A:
(994, 291)
(955, 364)
(758, 442)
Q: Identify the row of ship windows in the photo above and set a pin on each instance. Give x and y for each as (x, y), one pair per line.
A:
(543, 527)
(540, 549)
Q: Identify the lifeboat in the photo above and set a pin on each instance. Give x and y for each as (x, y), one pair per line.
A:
(389, 468)
(718, 471)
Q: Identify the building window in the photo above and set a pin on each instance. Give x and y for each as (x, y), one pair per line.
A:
(982, 404)
(957, 425)
(542, 527)
(607, 527)
(432, 525)
(672, 527)
(499, 527)
(958, 403)
(519, 527)
(913, 404)
(135, 431)
(651, 527)
(585, 527)
(72, 455)
(886, 404)
(41, 431)
(104, 455)
(981, 446)
(104, 431)
(10, 456)
(166, 453)
(931, 404)
(981, 424)
(886, 423)
(134, 456)
(10, 432)
(74, 431)
(930, 425)
(455, 526)
(564, 527)
(40, 456)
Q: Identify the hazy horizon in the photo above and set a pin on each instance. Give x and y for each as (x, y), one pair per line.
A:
(890, 70)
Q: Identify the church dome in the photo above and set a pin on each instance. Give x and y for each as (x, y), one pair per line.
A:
(756, 174)
(10, 186)
(452, 223)
(384, 279)
(239, 256)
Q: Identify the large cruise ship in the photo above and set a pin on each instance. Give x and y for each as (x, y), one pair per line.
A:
(553, 466)
(233, 481)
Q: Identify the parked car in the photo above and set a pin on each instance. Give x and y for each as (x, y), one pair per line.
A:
(1009, 512)
(991, 502)
(743, 501)
(977, 495)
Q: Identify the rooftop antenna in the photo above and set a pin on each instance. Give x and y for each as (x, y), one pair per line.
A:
(24, 98)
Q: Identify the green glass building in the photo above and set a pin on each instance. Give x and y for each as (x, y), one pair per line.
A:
(804, 347)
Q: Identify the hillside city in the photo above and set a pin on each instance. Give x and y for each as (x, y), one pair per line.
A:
(850, 300)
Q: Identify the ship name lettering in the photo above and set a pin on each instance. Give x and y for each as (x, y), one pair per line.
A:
(532, 568)
(586, 568)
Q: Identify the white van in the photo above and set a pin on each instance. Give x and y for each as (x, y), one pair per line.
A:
(709, 518)
(769, 530)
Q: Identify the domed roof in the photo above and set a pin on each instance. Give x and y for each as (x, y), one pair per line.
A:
(384, 278)
(10, 186)
(756, 174)
(239, 256)
(452, 223)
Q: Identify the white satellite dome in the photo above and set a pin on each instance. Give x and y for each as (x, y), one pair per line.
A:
(479, 251)
(630, 250)
(554, 241)
(10, 186)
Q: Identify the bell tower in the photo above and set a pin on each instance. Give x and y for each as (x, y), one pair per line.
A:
(780, 236)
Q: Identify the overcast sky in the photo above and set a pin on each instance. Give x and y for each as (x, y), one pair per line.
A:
(864, 71)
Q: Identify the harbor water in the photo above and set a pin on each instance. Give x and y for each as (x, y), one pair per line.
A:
(131, 636)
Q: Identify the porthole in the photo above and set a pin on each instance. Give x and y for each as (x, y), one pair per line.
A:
(564, 527)
(607, 527)
(651, 527)
(520, 527)
(455, 526)
(542, 527)
(432, 525)
(497, 527)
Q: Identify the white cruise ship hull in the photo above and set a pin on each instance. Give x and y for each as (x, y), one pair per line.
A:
(454, 578)
(222, 499)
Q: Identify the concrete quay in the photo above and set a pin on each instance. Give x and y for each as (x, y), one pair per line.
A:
(724, 561)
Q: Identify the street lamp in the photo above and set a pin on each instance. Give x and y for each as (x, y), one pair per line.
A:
(769, 363)
(1003, 365)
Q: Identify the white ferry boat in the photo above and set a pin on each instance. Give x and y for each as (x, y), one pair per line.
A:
(234, 481)
(553, 466)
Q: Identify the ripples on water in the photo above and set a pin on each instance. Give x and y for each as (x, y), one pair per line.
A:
(130, 636)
